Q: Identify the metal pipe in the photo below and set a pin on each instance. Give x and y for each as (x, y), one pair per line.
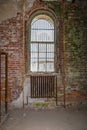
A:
(0, 87)
(64, 50)
(23, 52)
(6, 83)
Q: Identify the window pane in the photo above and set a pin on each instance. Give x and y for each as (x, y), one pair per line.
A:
(40, 23)
(42, 55)
(33, 35)
(50, 55)
(34, 65)
(42, 67)
(42, 47)
(34, 60)
(42, 60)
(34, 47)
(50, 47)
(50, 67)
(45, 35)
(50, 60)
(42, 35)
(34, 55)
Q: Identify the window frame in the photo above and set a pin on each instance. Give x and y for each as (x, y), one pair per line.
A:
(51, 15)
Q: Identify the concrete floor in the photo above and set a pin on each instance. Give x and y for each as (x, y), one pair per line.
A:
(56, 119)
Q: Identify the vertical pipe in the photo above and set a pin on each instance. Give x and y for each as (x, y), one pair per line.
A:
(48, 85)
(45, 87)
(64, 50)
(51, 85)
(56, 90)
(0, 87)
(42, 87)
(23, 53)
(37, 87)
(31, 85)
(6, 83)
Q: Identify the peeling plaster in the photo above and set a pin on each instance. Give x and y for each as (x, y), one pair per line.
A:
(9, 8)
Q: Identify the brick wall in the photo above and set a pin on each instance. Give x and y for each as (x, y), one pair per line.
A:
(11, 41)
(76, 44)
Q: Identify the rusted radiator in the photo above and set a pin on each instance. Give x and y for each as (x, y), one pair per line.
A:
(43, 86)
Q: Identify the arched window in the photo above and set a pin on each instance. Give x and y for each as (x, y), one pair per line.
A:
(42, 42)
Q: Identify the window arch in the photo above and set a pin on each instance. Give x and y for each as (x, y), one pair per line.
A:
(42, 43)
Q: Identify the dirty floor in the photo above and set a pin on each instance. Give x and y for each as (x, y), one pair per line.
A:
(56, 119)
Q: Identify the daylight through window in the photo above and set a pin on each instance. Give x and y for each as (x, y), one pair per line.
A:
(42, 44)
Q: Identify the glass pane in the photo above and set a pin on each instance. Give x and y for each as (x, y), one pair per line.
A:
(42, 43)
(42, 30)
(42, 66)
(34, 60)
(34, 47)
(33, 35)
(34, 55)
(34, 65)
(42, 23)
(42, 47)
(50, 67)
(50, 60)
(42, 60)
(50, 47)
(45, 36)
(42, 35)
(50, 55)
(42, 55)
